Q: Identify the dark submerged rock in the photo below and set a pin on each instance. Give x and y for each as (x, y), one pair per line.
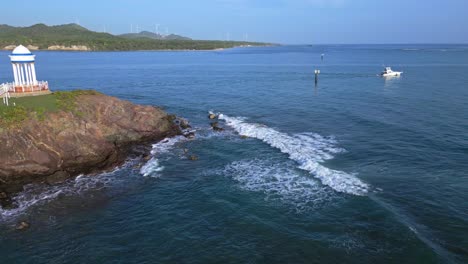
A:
(23, 225)
(190, 135)
(193, 157)
(215, 127)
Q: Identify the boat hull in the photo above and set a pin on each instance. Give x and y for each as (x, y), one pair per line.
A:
(393, 74)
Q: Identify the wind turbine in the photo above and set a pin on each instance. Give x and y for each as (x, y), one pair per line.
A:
(157, 29)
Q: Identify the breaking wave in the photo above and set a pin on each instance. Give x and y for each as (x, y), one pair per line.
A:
(39, 194)
(307, 149)
(153, 167)
(279, 181)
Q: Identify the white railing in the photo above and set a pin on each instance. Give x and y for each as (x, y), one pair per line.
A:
(4, 93)
(18, 88)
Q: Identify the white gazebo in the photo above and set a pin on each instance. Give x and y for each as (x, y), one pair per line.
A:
(24, 71)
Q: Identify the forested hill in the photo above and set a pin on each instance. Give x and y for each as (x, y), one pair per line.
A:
(76, 37)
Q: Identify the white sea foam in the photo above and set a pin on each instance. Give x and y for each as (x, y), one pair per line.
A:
(279, 181)
(166, 144)
(308, 150)
(152, 168)
(40, 194)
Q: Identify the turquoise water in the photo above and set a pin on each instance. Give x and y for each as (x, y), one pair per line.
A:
(358, 169)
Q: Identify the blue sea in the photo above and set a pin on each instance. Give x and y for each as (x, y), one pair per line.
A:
(354, 169)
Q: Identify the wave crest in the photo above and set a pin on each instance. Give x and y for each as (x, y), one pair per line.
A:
(307, 149)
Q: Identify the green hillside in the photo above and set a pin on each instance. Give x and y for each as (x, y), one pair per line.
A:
(44, 36)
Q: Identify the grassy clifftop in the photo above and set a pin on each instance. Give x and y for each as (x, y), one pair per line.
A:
(23, 108)
(45, 37)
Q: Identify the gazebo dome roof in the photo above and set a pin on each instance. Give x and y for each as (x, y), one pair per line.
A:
(21, 50)
(21, 54)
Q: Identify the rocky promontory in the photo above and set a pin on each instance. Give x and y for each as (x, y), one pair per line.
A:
(50, 138)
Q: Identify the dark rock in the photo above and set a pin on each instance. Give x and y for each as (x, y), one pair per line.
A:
(215, 127)
(147, 157)
(58, 177)
(212, 116)
(10, 188)
(193, 157)
(190, 135)
(244, 137)
(218, 129)
(184, 124)
(7, 204)
(22, 225)
(5, 201)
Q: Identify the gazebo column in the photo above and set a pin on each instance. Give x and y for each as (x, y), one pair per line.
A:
(18, 72)
(30, 74)
(26, 73)
(33, 69)
(22, 76)
(15, 73)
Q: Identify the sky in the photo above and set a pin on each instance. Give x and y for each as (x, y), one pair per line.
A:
(276, 21)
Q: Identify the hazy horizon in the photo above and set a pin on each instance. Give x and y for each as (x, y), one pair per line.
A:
(277, 21)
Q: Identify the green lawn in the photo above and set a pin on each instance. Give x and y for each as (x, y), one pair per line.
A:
(20, 109)
(23, 108)
(48, 102)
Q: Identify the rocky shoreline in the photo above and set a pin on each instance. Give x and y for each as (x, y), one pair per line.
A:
(96, 134)
(54, 47)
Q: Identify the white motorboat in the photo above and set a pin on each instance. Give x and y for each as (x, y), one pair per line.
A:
(389, 73)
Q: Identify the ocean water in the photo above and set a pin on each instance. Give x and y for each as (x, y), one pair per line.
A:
(355, 169)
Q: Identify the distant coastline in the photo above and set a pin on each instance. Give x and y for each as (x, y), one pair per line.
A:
(83, 48)
(73, 37)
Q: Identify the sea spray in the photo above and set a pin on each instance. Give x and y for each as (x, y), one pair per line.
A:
(308, 150)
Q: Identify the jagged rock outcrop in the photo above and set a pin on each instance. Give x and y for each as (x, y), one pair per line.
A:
(95, 136)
